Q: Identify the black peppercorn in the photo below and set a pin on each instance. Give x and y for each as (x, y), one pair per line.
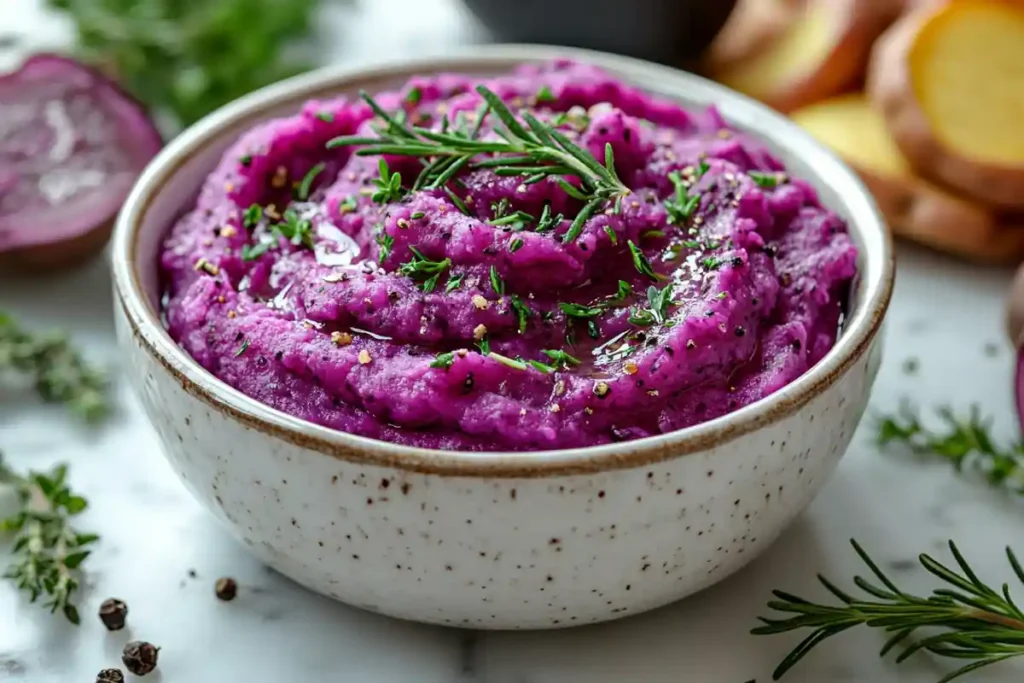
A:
(110, 676)
(140, 657)
(113, 613)
(226, 588)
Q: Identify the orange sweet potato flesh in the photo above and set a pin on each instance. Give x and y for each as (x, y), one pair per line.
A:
(914, 208)
(822, 50)
(949, 80)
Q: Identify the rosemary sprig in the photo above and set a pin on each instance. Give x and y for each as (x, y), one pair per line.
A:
(528, 147)
(963, 442)
(47, 551)
(967, 620)
(59, 372)
(422, 269)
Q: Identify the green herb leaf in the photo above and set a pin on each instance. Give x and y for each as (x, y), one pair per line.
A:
(386, 242)
(611, 235)
(252, 216)
(522, 312)
(544, 95)
(497, 284)
(443, 360)
(560, 358)
(242, 348)
(307, 181)
(423, 270)
(580, 311)
(453, 283)
(640, 262)
(767, 180)
(251, 252)
(389, 185)
(484, 345)
(325, 116)
(515, 245)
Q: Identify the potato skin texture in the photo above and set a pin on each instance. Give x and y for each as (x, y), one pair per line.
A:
(890, 86)
(854, 26)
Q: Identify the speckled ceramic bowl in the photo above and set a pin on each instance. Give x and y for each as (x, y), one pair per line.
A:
(496, 540)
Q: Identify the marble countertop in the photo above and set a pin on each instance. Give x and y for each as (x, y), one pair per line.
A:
(946, 315)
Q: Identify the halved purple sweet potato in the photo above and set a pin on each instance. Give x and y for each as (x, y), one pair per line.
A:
(71, 145)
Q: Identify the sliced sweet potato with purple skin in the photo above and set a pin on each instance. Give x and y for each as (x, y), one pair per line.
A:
(914, 208)
(71, 145)
(948, 80)
(822, 51)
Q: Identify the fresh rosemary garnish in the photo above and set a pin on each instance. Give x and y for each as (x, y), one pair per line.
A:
(767, 180)
(611, 235)
(423, 270)
(515, 245)
(497, 284)
(580, 311)
(306, 184)
(414, 96)
(711, 263)
(682, 206)
(517, 221)
(242, 349)
(453, 283)
(299, 231)
(443, 360)
(973, 621)
(252, 216)
(254, 251)
(528, 148)
(547, 221)
(416, 215)
(560, 358)
(347, 205)
(522, 312)
(640, 261)
(513, 363)
(544, 95)
(389, 185)
(543, 367)
(624, 291)
(484, 345)
(659, 301)
(385, 242)
(963, 442)
(57, 370)
(47, 551)
(325, 116)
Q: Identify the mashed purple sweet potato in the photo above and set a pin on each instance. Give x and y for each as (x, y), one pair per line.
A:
(442, 288)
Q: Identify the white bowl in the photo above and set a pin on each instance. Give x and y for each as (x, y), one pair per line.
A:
(496, 540)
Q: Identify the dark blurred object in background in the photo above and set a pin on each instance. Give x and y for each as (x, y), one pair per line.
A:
(672, 31)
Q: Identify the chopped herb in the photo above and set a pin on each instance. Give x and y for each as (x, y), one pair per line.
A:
(611, 234)
(682, 206)
(325, 116)
(659, 301)
(693, 244)
(543, 367)
(307, 181)
(522, 312)
(385, 241)
(642, 317)
(424, 270)
(484, 345)
(561, 358)
(414, 96)
(593, 330)
(722, 295)
(624, 291)
(496, 282)
(505, 360)
(298, 230)
(767, 180)
(711, 263)
(578, 311)
(453, 283)
(245, 159)
(545, 94)
(252, 216)
(702, 168)
(348, 205)
(416, 215)
(253, 252)
(389, 185)
(500, 208)
(456, 200)
(515, 245)
(242, 348)
(640, 261)
(585, 213)
(546, 220)
(518, 220)
(653, 234)
(443, 360)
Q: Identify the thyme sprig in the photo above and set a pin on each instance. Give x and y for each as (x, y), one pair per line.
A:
(47, 550)
(528, 147)
(965, 620)
(423, 270)
(965, 442)
(59, 372)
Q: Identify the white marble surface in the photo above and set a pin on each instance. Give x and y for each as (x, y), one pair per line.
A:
(945, 314)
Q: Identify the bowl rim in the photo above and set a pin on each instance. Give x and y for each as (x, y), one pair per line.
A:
(145, 325)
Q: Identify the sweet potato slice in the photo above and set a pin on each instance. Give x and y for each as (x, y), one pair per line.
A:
(949, 80)
(751, 29)
(914, 208)
(822, 51)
